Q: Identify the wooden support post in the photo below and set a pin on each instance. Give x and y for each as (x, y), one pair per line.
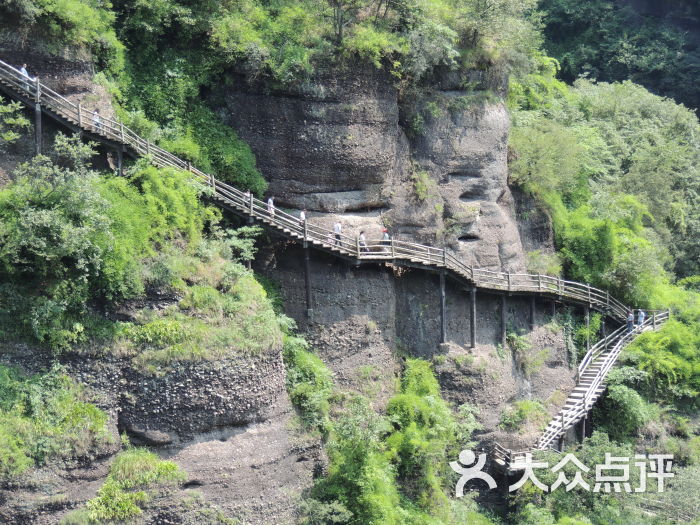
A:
(504, 315)
(603, 333)
(508, 275)
(121, 132)
(120, 160)
(37, 127)
(443, 309)
(583, 428)
(307, 282)
(539, 281)
(80, 115)
(472, 317)
(554, 309)
(532, 312)
(588, 326)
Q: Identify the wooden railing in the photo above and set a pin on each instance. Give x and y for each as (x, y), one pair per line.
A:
(603, 355)
(245, 204)
(394, 251)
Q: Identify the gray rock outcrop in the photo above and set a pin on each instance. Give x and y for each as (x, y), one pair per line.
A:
(340, 146)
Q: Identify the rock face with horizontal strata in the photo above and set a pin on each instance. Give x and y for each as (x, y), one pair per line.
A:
(339, 147)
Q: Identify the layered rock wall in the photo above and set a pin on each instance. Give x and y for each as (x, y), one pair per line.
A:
(344, 146)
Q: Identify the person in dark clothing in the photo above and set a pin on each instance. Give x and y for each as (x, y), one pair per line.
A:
(630, 321)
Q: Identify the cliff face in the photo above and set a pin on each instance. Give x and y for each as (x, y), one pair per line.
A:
(339, 145)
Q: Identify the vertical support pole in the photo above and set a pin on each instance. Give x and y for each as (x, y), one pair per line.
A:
(393, 252)
(472, 317)
(554, 309)
(532, 312)
(189, 166)
(583, 428)
(588, 326)
(120, 160)
(37, 127)
(148, 147)
(539, 281)
(508, 275)
(605, 334)
(307, 282)
(504, 315)
(121, 132)
(443, 309)
(37, 115)
(80, 115)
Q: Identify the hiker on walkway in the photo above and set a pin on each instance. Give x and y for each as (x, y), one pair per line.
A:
(271, 206)
(362, 242)
(386, 238)
(641, 315)
(25, 74)
(302, 217)
(630, 321)
(97, 120)
(337, 230)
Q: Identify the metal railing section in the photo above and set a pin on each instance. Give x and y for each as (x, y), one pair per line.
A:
(243, 202)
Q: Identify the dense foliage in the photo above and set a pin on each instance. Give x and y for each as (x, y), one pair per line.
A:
(69, 237)
(45, 417)
(391, 469)
(651, 43)
(132, 473)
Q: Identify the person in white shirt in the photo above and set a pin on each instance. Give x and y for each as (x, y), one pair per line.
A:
(97, 120)
(362, 241)
(337, 230)
(271, 206)
(302, 217)
(640, 317)
(25, 74)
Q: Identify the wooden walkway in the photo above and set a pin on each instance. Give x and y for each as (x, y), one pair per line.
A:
(400, 253)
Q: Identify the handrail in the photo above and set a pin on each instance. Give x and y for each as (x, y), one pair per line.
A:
(243, 203)
(571, 413)
(391, 250)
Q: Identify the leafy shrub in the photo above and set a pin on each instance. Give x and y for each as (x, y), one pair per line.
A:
(309, 383)
(44, 417)
(82, 23)
(625, 410)
(134, 468)
(544, 263)
(12, 122)
(522, 412)
(70, 237)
